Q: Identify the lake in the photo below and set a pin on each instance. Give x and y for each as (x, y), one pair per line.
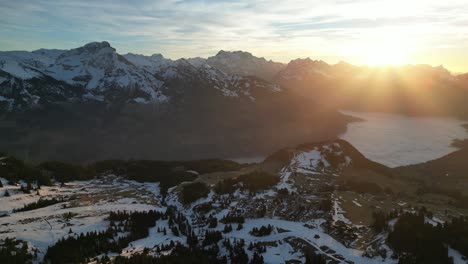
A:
(396, 140)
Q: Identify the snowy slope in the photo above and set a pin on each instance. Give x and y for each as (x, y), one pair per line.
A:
(245, 64)
(96, 72)
(198, 72)
(150, 63)
(304, 69)
(323, 158)
(90, 201)
(23, 64)
(97, 66)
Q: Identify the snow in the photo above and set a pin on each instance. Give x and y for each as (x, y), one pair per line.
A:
(97, 75)
(283, 251)
(151, 63)
(357, 204)
(338, 212)
(314, 161)
(299, 230)
(285, 181)
(43, 227)
(140, 100)
(433, 221)
(91, 97)
(309, 159)
(10, 102)
(457, 257)
(14, 68)
(392, 223)
(23, 64)
(154, 238)
(98, 68)
(197, 62)
(169, 73)
(51, 53)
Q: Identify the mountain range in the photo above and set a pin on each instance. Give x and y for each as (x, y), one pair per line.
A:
(96, 72)
(93, 103)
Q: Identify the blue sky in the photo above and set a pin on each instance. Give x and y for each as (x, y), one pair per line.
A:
(361, 32)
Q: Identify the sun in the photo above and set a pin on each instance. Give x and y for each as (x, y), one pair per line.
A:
(383, 56)
(383, 53)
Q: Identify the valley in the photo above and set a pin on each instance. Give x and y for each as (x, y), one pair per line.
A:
(319, 198)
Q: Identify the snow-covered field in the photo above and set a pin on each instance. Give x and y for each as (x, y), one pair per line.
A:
(86, 206)
(396, 140)
(457, 257)
(89, 202)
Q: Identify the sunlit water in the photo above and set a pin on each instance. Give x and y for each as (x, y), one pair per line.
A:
(396, 140)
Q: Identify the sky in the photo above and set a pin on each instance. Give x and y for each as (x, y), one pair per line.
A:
(372, 32)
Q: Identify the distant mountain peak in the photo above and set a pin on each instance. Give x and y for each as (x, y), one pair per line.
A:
(235, 53)
(95, 46)
(96, 72)
(307, 61)
(157, 56)
(245, 64)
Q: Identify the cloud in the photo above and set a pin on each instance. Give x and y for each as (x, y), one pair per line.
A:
(279, 30)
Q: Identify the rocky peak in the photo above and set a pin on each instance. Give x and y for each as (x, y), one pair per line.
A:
(157, 57)
(306, 63)
(235, 54)
(245, 64)
(97, 46)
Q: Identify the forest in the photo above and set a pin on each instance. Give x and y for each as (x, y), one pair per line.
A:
(253, 182)
(167, 173)
(415, 240)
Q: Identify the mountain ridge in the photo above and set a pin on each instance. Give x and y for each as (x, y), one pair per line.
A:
(97, 72)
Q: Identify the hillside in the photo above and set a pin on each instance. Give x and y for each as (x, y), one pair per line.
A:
(446, 174)
(323, 201)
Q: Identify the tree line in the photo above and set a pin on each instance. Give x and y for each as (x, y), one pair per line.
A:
(80, 248)
(254, 181)
(168, 173)
(415, 240)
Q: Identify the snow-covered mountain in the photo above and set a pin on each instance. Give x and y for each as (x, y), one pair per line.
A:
(92, 72)
(197, 72)
(97, 72)
(151, 63)
(305, 70)
(97, 67)
(328, 157)
(245, 64)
